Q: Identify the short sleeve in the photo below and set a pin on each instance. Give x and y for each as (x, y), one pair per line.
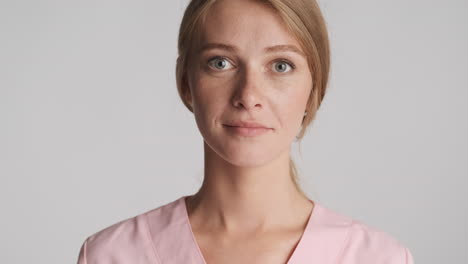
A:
(82, 254)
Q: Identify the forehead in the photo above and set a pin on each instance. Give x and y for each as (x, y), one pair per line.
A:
(247, 24)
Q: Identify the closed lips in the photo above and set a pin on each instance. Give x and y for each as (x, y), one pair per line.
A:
(246, 124)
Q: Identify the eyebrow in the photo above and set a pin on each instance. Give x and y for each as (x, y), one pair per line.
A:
(272, 49)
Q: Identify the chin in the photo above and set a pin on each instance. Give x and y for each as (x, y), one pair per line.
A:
(244, 154)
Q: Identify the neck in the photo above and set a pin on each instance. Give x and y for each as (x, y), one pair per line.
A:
(237, 200)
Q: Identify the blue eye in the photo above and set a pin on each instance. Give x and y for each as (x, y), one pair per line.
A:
(218, 63)
(282, 66)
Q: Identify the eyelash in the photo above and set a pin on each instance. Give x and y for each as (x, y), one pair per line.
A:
(292, 65)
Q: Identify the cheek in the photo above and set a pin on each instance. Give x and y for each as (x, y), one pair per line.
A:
(210, 89)
(292, 109)
(209, 98)
(291, 102)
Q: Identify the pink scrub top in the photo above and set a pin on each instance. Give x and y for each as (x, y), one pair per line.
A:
(164, 236)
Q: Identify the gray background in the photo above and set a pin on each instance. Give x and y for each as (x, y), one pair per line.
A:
(92, 130)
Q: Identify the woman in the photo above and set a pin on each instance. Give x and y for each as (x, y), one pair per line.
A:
(254, 74)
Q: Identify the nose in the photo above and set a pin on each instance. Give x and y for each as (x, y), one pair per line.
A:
(248, 93)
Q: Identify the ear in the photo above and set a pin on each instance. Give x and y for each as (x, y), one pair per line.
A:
(187, 91)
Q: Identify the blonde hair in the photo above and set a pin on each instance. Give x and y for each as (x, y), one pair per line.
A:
(304, 21)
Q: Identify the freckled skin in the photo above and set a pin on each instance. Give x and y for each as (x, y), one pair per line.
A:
(250, 86)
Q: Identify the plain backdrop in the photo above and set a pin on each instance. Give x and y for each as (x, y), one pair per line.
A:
(92, 130)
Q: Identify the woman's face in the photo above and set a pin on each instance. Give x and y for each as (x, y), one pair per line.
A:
(248, 68)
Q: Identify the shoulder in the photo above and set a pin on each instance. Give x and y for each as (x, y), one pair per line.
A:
(366, 244)
(126, 241)
(371, 245)
(121, 242)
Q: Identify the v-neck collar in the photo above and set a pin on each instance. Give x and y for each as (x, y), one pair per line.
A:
(175, 243)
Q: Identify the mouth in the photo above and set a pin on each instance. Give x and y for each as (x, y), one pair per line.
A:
(246, 124)
(247, 131)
